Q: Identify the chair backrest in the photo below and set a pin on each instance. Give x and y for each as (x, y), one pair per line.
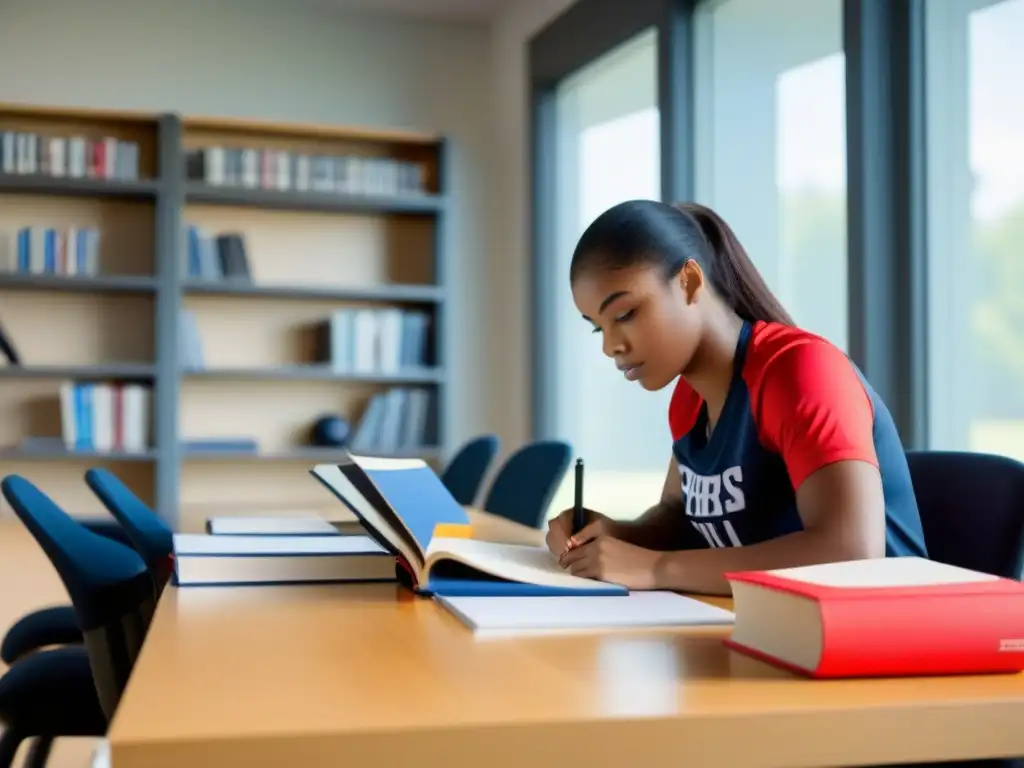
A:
(972, 509)
(110, 587)
(150, 536)
(524, 486)
(465, 473)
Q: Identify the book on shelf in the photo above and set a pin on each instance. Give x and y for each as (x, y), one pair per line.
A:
(401, 502)
(105, 417)
(274, 169)
(895, 616)
(373, 340)
(37, 250)
(190, 343)
(209, 256)
(226, 560)
(395, 421)
(26, 152)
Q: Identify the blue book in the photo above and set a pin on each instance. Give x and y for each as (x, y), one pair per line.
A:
(401, 501)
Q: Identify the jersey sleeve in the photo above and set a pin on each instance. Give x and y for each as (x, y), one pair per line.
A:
(682, 409)
(813, 410)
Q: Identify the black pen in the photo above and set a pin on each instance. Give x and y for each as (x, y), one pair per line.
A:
(579, 515)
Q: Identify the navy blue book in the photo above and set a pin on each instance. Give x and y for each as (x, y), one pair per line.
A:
(207, 560)
(401, 501)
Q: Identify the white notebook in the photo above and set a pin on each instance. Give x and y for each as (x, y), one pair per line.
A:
(297, 525)
(517, 616)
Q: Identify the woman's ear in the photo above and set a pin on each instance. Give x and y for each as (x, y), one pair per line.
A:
(691, 280)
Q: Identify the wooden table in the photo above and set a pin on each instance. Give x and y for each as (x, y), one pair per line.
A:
(357, 675)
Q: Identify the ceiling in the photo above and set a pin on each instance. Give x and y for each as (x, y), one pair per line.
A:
(455, 10)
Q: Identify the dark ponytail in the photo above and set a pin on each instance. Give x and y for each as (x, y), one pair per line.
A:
(646, 231)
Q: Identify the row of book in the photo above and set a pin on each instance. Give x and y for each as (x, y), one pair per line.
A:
(397, 420)
(23, 152)
(371, 340)
(106, 416)
(50, 251)
(207, 256)
(281, 170)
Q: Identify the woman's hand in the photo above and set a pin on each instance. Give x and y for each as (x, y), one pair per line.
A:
(560, 530)
(609, 559)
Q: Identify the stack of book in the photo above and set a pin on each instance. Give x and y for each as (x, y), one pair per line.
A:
(105, 417)
(50, 251)
(25, 152)
(281, 170)
(214, 257)
(396, 420)
(373, 340)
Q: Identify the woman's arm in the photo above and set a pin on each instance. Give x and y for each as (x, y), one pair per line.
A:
(843, 513)
(813, 410)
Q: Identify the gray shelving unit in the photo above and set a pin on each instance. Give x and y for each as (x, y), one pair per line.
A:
(169, 192)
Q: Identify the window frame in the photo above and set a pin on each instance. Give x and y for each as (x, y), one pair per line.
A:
(886, 206)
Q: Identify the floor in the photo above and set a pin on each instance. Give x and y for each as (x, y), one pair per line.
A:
(28, 581)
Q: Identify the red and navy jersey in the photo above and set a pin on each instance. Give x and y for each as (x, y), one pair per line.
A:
(796, 404)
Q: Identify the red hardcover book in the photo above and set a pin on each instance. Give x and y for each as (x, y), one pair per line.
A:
(900, 616)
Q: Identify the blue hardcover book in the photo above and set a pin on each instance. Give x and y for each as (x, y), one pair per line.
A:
(400, 501)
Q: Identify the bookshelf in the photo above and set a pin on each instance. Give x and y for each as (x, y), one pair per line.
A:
(342, 240)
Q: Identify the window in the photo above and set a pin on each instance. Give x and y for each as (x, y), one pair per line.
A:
(608, 151)
(771, 146)
(976, 225)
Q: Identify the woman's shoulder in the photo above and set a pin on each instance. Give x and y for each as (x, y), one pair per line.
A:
(789, 364)
(779, 349)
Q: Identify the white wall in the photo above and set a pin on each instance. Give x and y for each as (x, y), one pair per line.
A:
(257, 59)
(508, 250)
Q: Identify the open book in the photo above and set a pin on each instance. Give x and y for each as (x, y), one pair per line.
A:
(400, 501)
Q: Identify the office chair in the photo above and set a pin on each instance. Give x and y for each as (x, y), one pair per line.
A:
(55, 625)
(972, 509)
(149, 535)
(46, 694)
(972, 513)
(112, 594)
(524, 486)
(465, 473)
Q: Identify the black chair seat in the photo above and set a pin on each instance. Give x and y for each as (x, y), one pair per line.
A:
(47, 626)
(51, 693)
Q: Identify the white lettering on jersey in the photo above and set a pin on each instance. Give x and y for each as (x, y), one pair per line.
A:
(703, 494)
(708, 498)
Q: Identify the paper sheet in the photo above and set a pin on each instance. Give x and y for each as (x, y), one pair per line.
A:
(526, 615)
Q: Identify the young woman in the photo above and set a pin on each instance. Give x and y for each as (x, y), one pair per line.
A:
(783, 455)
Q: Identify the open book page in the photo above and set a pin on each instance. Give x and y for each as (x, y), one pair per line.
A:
(332, 476)
(525, 615)
(488, 527)
(513, 562)
(883, 572)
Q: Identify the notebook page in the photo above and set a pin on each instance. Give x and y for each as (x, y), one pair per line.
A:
(208, 544)
(514, 562)
(883, 572)
(514, 615)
